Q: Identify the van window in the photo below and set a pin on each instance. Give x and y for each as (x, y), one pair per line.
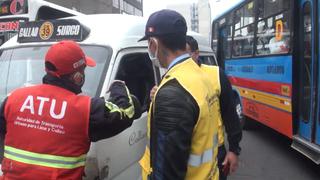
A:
(208, 60)
(21, 67)
(4, 66)
(137, 72)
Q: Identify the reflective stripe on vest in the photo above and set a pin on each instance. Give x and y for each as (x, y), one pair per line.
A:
(207, 156)
(43, 159)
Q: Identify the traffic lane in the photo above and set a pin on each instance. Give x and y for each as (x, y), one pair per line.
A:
(267, 155)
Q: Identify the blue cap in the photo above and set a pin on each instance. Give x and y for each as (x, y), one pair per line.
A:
(165, 22)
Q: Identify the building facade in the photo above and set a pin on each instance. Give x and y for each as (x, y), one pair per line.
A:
(197, 15)
(204, 18)
(133, 7)
(185, 10)
(194, 17)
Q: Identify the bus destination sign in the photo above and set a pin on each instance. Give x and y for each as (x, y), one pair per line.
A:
(55, 30)
(9, 26)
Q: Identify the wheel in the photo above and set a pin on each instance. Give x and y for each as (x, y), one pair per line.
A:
(239, 111)
(245, 122)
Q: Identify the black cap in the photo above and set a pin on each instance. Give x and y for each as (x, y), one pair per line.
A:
(165, 22)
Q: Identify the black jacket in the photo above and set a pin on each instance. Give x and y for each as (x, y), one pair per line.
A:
(229, 116)
(173, 123)
(102, 123)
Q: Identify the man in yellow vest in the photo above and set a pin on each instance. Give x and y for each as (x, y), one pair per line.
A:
(228, 118)
(227, 161)
(182, 128)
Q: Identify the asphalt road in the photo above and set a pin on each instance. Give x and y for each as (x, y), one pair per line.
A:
(267, 155)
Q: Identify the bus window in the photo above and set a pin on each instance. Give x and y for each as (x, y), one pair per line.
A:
(228, 37)
(215, 37)
(244, 31)
(272, 7)
(225, 38)
(237, 19)
(222, 38)
(243, 42)
(307, 64)
(307, 31)
(244, 16)
(248, 14)
(273, 34)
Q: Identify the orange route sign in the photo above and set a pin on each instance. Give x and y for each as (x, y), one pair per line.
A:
(279, 30)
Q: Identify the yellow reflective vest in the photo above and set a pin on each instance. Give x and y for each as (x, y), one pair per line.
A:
(202, 163)
(213, 74)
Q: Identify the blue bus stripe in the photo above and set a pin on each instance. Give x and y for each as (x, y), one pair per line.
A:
(273, 69)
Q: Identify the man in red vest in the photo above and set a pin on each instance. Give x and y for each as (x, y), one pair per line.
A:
(48, 128)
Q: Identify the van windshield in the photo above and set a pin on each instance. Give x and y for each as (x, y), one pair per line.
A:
(21, 67)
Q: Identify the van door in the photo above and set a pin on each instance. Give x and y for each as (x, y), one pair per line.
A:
(118, 156)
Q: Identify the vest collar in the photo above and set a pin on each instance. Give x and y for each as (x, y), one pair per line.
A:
(178, 60)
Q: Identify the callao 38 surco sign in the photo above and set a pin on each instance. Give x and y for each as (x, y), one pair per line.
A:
(54, 30)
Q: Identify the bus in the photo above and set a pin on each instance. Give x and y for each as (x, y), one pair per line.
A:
(270, 52)
(14, 12)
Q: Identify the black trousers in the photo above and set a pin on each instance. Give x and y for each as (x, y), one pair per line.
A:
(222, 152)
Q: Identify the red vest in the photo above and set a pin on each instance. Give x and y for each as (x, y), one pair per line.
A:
(47, 133)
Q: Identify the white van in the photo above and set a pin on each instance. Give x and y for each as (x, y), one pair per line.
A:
(112, 41)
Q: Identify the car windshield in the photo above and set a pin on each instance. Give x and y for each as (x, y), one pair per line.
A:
(21, 67)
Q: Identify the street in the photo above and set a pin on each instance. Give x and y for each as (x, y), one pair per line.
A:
(267, 155)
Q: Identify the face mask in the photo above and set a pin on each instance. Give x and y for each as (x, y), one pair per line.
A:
(78, 79)
(153, 56)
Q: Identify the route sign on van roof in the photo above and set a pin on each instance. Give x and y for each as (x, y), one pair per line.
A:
(53, 30)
